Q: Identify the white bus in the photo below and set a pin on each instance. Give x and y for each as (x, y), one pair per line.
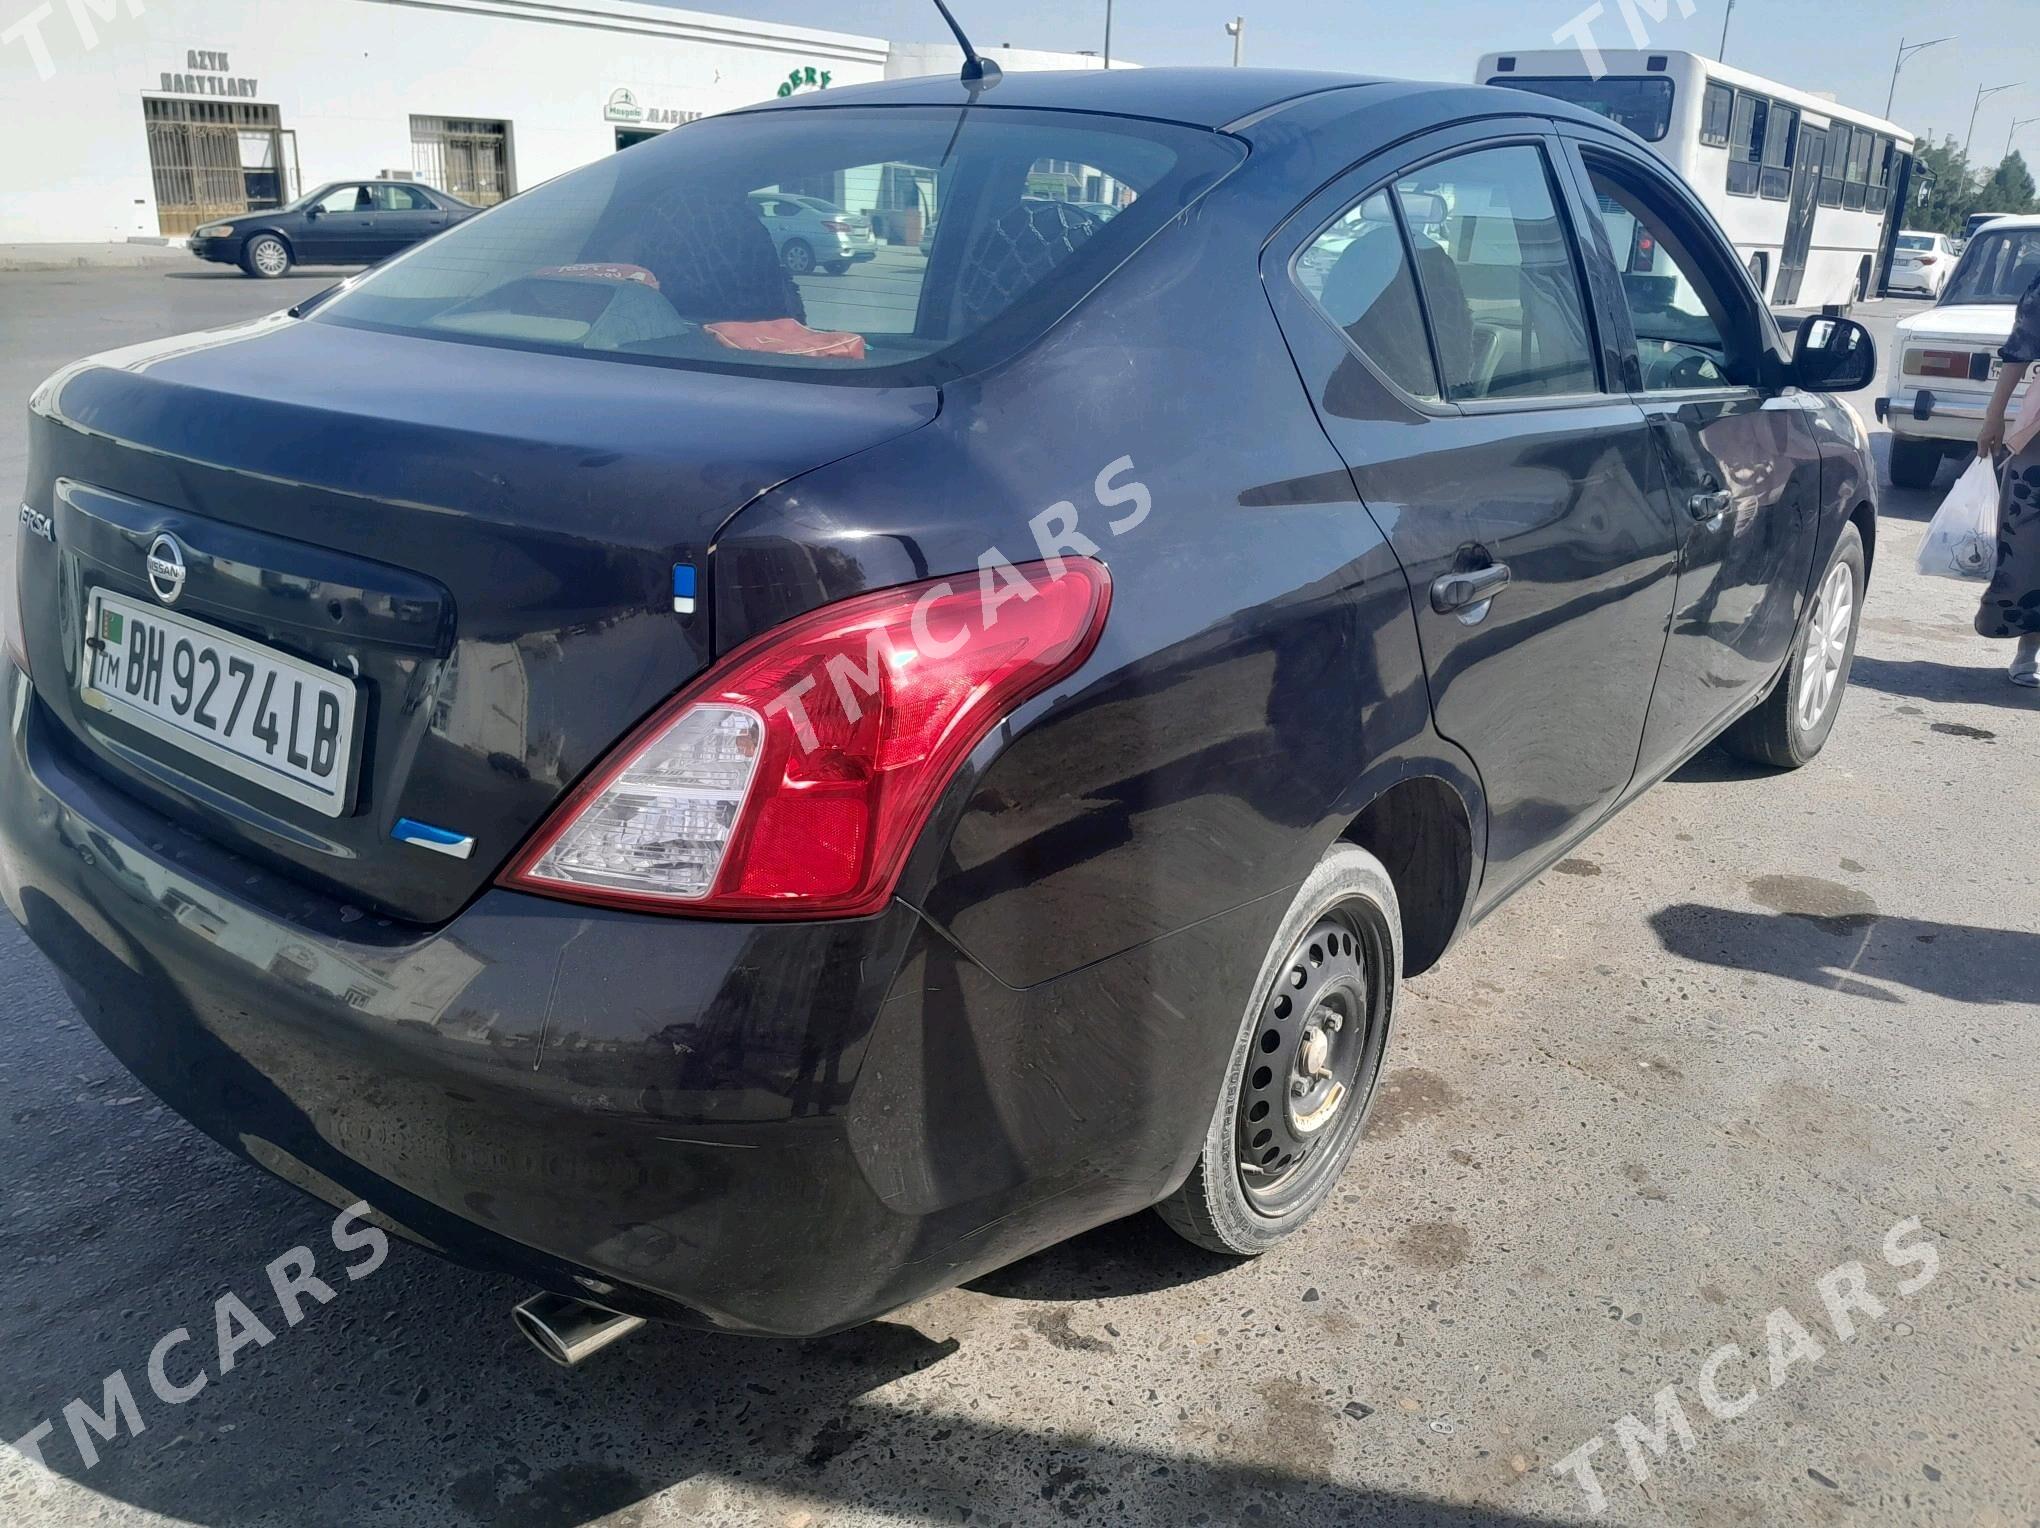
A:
(1811, 192)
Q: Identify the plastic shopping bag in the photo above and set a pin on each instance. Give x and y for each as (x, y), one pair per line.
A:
(1962, 541)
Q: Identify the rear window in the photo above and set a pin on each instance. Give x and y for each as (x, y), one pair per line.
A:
(898, 245)
(1641, 103)
(1915, 241)
(1997, 267)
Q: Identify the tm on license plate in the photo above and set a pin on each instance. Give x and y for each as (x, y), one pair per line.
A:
(1997, 369)
(273, 720)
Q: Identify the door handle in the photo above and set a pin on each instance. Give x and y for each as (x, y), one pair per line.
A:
(1709, 506)
(1464, 591)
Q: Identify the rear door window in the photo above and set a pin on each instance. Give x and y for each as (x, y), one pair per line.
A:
(1499, 278)
(1358, 274)
(930, 239)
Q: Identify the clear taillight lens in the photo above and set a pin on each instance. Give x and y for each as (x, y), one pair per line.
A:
(792, 780)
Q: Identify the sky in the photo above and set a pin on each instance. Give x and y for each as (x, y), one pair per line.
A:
(1844, 46)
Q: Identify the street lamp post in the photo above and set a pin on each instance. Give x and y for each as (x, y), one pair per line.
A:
(2016, 125)
(1236, 30)
(1108, 34)
(1982, 92)
(1721, 53)
(1904, 52)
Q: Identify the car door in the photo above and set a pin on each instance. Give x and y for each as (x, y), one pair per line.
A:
(1434, 301)
(1737, 467)
(336, 229)
(403, 215)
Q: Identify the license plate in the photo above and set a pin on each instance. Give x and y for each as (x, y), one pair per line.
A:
(1997, 369)
(285, 725)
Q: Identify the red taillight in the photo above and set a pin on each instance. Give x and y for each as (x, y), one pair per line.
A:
(792, 779)
(837, 225)
(1952, 364)
(1928, 259)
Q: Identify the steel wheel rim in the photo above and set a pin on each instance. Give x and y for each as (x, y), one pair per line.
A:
(1308, 1066)
(269, 257)
(1827, 645)
(799, 259)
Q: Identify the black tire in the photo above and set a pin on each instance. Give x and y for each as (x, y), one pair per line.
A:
(265, 257)
(1760, 273)
(798, 256)
(1779, 732)
(1914, 463)
(1333, 971)
(837, 267)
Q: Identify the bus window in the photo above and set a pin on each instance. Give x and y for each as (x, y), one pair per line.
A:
(1746, 144)
(1715, 108)
(1881, 175)
(1835, 172)
(1857, 191)
(1780, 142)
(1641, 103)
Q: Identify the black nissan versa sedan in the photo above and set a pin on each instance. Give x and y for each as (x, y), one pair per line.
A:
(747, 800)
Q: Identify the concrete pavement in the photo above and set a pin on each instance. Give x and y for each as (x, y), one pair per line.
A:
(1723, 1050)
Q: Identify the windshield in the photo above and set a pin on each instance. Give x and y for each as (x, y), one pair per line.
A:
(1997, 267)
(1642, 103)
(948, 232)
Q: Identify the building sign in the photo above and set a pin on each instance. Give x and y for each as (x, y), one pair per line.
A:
(206, 72)
(807, 78)
(624, 107)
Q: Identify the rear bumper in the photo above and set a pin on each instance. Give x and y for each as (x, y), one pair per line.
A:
(1931, 414)
(782, 1129)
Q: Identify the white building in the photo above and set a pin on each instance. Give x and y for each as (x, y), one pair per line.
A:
(143, 118)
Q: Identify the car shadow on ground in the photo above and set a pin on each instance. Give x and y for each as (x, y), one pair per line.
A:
(1845, 944)
(1136, 1256)
(408, 1398)
(1972, 684)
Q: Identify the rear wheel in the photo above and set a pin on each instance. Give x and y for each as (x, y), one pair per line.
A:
(1304, 1064)
(799, 256)
(266, 256)
(1914, 463)
(1793, 723)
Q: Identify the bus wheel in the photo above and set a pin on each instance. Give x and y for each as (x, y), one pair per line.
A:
(1760, 273)
(1863, 282)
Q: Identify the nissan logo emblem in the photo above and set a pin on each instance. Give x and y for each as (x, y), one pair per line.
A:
(166, 568)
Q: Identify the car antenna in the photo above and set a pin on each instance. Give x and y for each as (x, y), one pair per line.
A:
(979, 72)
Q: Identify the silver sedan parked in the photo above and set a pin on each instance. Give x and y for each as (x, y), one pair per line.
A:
(812, 233)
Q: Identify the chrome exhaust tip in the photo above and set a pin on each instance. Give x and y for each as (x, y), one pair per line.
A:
(570, 1331)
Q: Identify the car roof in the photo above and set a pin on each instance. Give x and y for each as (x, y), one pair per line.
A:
(2010, 220)
(1198, 97)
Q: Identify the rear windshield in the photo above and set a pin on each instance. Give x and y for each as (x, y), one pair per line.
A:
(1997, 267)
(1641, 103)
(1915, 241)
(897, 245)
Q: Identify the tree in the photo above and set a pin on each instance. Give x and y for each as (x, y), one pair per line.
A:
(2009, 189)
(1950, 188)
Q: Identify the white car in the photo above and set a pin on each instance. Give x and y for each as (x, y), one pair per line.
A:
(1922, 263)
(1945, 362)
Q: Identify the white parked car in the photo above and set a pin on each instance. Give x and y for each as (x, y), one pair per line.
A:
(1922, 263)
(1945, 362)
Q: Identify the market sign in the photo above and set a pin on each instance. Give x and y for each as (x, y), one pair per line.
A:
(206, 72)
(805, 78)
(623, 107)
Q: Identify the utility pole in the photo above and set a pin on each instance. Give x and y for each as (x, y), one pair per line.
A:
(1982, 92)
(1108, 34)
(1721, 53)
(1904, 53)
(2016, 125)
(1236, 30)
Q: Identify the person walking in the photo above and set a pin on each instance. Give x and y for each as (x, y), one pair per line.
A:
(2011, 605)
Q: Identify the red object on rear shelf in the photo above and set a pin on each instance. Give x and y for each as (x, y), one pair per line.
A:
(867, 708)
(787, 336)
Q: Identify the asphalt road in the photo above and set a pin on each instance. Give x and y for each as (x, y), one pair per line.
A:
(1722, 1050)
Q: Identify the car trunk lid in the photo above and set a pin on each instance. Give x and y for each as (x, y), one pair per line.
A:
(479, 543)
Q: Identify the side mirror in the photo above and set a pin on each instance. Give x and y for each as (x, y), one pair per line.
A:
(1833, 355)
(313, 212)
